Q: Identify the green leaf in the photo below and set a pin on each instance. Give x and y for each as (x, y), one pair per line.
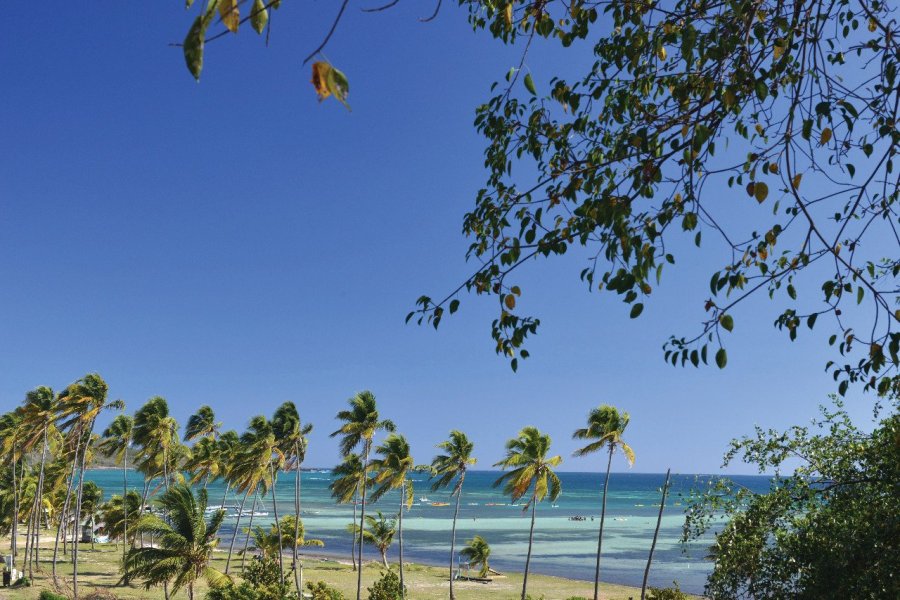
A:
(636, 310)
(193, 46)
(529, 84)
(721, 358)
(761, 191)
(727, 322)
(259, 16)
(454, 305)
(337, 84)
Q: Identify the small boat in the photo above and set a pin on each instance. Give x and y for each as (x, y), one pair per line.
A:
(440, 504)
(496, 504)
(473, 504)
(424, 499)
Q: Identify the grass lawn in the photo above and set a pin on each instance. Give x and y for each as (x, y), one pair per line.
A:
(99, 570)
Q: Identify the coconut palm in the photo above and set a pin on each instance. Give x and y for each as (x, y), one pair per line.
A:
(38, 416)
(202, 424)
(11, 434)
(349, 477)
(360, 423)
(392, 470)
(156, 435)
(120, 519)
(80, 404)
(477, 552)
(228, 446)
(204, 463)
(73, 442)
(531, 469)
(291, 437)
(605, 426)
(379, 532)
(186, 543)
(116, 441)
(447, 467)
(92, 499)
(268, 543)
(252, 470)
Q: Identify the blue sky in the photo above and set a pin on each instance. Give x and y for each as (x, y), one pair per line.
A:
(237, 244)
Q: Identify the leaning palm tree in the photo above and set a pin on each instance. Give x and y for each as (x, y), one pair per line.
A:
(202, 424)
(38, 418)
(477, 552)
(120, 518)
(204, 463)
(228, 446)
(392, 468)
(605, 426)
(360, 422)
(11, 434)
(186, 543)
(116, 441)
(80, 404)
(291, 437)
(349, 477)
(156, 434)
(531, 470)
(268, 543)
(446, 467)
(379, 532)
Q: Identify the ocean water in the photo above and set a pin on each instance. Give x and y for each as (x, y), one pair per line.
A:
(562, 547)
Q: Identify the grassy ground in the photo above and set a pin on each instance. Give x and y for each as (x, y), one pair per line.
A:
(98, 569)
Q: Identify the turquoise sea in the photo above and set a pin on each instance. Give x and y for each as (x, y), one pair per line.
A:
(562, 546)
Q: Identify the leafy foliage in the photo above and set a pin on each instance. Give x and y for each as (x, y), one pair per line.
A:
(764, 130)
(478, 552)
(828, 529)
(386, 588)
(322, 591)
(672, 593)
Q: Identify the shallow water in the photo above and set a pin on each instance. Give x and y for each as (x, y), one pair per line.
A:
(561, 547)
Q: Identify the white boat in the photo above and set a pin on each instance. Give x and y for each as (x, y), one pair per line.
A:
(424, 499)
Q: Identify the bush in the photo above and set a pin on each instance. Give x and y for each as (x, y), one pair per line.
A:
(672, 593)
(322, 591)
(386, 588)
(262, 581)
(48, 595)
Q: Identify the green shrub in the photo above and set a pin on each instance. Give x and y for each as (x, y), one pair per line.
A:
(386, 588)
(672, 593)
(48, 595)
(322, 591)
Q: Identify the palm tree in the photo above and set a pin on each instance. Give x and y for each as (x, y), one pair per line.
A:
(38, 417)
(202, 424)
(477, 552)
(446, 467)
(360, 424)
(604, 430)
(120, 518)
(267, 542)
(526, 455)
(205, 462)
(117, 438)
(291, 437)
(349, 477)
(80, 404)
(73, 442)
(186, 543)
(92, 498)
(11, 448)
(391, 473)
(379, 533)
(228, 445)
(252, 470)
(156, 433)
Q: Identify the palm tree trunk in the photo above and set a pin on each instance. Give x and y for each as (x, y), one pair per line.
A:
(15, 521)
(78, 516)
(28, 539)
(362, 520)
(249, 530)
(125, 515)
(453, 534)
(225, 495)
(39, 504)
(602, 519)
(400, 536)
(278, 528)
(662, 505)
(298, 566)
(383, 558)
(530, 541)
(353, 544)
(144, 494)
(61, 529)
(236, 528)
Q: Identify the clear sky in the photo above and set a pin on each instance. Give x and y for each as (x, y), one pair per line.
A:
(237, 244)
